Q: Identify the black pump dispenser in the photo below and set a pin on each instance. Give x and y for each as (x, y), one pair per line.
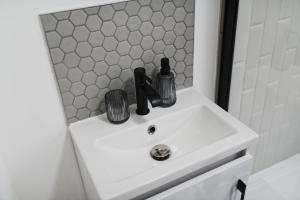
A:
(165, 84)
(165, 66)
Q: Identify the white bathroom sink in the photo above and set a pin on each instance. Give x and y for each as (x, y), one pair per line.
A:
(115, 160)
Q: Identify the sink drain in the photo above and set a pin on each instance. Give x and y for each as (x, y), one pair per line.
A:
(160, 152)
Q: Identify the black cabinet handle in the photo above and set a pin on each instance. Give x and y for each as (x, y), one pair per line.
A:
(241, 186)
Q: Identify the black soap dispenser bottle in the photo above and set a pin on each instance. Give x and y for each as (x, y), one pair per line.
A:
(165, 84)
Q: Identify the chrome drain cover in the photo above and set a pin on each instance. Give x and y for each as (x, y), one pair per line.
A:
(160, 152)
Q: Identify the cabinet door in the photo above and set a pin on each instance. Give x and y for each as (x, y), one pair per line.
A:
(217, 184)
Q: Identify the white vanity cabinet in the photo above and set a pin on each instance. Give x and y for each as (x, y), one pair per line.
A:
(218, 184)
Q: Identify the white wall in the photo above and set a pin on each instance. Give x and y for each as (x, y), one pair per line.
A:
(34, 144)
(265, 88)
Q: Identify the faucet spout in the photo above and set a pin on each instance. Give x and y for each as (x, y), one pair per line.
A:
(144, 92)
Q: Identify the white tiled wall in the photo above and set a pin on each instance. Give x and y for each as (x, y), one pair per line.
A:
(265, 87)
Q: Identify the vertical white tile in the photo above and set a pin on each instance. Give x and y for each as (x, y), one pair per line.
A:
(236, 88)
(256, 121)
(250, 78)
(259, 9)
(254, 46)
(262, 81)
(269, 38)
(246, 106)
(297, 56)
(269, 107)
(242, 32)
(286, 9)
(281, 43)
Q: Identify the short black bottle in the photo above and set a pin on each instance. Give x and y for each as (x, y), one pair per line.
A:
(165, 84)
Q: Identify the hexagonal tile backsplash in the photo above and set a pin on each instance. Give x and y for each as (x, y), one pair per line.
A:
(96, 49)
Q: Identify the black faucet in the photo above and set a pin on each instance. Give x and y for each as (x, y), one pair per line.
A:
(144, 91)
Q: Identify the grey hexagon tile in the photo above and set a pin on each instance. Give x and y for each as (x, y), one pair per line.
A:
(189, 19)
(134, 23)
(148, 56)
(96, 49)
(123, 48)
(92, 10)
(106, 12)
(96, 39)
(120, 18)
(145, 13)
(135, 38)
(98, 54)
(74, 74)
(146, 28)
(70, 111)
(93, 104)
(179, 67)
(83, 49)
(102, 81)
(110, 43)
(136, 52)
(189, 59)
(159, 47)
(158, 33)
(53, 39)
(132, 8)
(81, 33)
(71, 60)
(64, 85)
(188, 71)
(137, 63)
(112, 58)
(180, 42)
(169, 37)
(179, 3)
(86, 64)
(144, 2)
(56, 55)
(83, 113)
(157, 4)
(77, 88)
(49, 22)
(65, 28)
(91, 91)
(126, 75)
(115, 84)
(67, 98)
(169, 23)
(189, 5)
(188, 82)
(179, 55)
(108, 28)
(169, 51)
(157, 59)
(147, 42)
(189, 33)
(179, 79)
(80, 101)
(122, 33)
(179, 14)
(78, 17)
(114, 71)
(93, 23)
(62, 15)
(119, 6)
(60, 70)
(189, 46)
(157, 18)
(168, 9)
(101, 68)
(68, 44)
(125, 62)
(180, 28)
